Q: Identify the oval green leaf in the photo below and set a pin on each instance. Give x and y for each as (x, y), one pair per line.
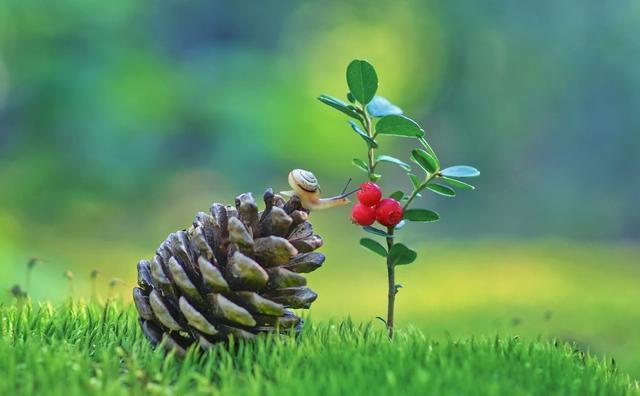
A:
(362, 80)
(360, 164)
(375, 231)
(442, 190)
(374, 246)
(397, 195)
(460, 171)
(393, 160)
(415, 181)
(457, 183)
(370, 142)
(340, 105)
(380, 107)
(420, 215)
(401, 255)
(399, 125)
(427, 147)
(425, 160)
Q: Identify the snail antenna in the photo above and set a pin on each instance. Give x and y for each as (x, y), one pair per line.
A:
(346, 186)
(343, 195)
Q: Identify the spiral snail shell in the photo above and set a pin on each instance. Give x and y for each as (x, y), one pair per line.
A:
(305, 180)
(305, 185)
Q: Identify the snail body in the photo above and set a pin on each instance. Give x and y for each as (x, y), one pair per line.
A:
(306, 187)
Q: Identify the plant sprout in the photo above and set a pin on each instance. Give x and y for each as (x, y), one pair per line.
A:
(371, 117)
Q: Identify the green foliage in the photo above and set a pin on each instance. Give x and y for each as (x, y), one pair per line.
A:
(375, 231)
(374, 246)
(442, 190)
(393, 160)
(426, 161)
(363, 84)
(397, 195)
(415, 181)
(380, 107)
(368, 139)
(421, 215)
(460, 171)
(79, 349)
(362, 80)
(400, 254)
(399, 125)
(360, 164)
(457, 183)
(339, 105)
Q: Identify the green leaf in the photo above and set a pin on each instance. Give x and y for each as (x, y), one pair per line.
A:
(460, 171)
(402, 255)
(393, 160)
(375, 231)
(420, 215)
(362, 80)
(350, 97)
(425, 160)
(374, 246)
(340, 105)
(360, 164)
(398, 125)
(380, 107)
(397, 195)
(375, 177)
(415, 181)
(427, 146)
(370, 142)
(442, 190)
(458, 183)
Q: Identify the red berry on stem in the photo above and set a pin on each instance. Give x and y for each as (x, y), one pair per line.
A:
(389, 212)
(363, 215)
(369, 194)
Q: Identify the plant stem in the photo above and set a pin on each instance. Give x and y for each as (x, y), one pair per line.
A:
(368, 126)
(391, 276)
(416, 190)
(391, 272)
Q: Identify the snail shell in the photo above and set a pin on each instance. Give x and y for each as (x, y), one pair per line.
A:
(305, 180)
(306, 187)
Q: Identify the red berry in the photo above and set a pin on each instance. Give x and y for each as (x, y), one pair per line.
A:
(363, 215)
(369, 194)
(389, 212)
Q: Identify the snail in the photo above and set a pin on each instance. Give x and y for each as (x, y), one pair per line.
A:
(306, 187)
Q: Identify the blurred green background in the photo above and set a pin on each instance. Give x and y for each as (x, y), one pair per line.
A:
(119, 120)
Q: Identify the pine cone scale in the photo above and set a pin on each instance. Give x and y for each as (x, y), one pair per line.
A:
(212, 277)
(142, 304)
(195, 319)
(161, 312)
(273, 251)
(280, 278)
(246, 274)
(223, 308)
(257, 304)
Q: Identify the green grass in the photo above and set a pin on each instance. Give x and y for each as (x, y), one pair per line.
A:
(80, 349)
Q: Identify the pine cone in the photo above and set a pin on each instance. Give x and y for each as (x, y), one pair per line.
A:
(234, 272)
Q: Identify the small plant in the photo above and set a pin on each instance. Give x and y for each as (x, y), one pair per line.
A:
(31, 264)
(371, 117)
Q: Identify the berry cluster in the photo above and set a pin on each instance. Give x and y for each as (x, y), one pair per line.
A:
(370, 207)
